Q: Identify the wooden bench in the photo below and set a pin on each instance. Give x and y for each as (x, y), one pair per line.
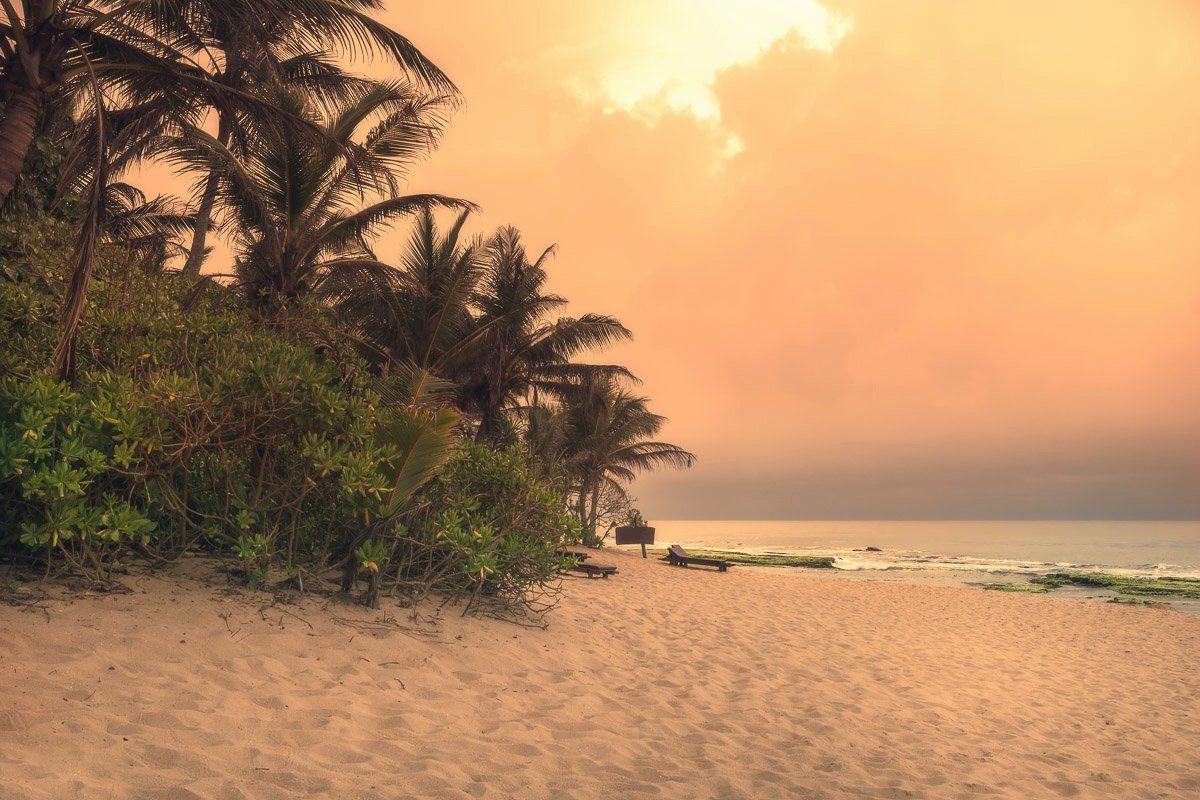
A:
(677, 556)
(595, 570)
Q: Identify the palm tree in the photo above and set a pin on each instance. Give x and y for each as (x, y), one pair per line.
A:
(94, 53)
(604, 439)
(420, 442)
(51, 47)
(423, 324)
(297, 212)
(521, 348)
(148, 229)
(474, 318)
(240, 48)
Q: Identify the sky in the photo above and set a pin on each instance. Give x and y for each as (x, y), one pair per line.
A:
(882, 258)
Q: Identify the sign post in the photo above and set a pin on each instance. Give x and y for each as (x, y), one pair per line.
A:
(635, 534)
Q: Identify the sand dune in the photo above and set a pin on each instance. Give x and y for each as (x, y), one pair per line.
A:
(660, 682)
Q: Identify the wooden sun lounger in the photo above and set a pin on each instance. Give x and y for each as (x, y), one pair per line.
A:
(677, 556)
(595, 570)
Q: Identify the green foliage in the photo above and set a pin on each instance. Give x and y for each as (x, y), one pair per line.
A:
(491, 529)
(30, 237)
(421, 443)
(371, 555)
(634, 519)
(186, 428)
(33, 195)
(253, 550)
(203, 428)
(60, 476)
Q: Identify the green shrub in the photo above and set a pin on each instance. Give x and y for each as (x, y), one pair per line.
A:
(490, 529)
(265, 443)
(186, 428)
(61, 475)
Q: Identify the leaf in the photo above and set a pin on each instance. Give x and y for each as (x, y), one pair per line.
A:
(424, 442)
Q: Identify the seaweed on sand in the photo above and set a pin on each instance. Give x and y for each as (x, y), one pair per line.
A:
(762, 559)
(1123, 584)
(1026, 588)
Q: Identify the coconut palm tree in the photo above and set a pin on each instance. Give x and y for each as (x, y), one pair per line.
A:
(603, 438)
(424, 323)
(299, 215)
(521, 347)
(148, 229)
(296, 48)
(474, 318)
(52, 47)
(99, 56)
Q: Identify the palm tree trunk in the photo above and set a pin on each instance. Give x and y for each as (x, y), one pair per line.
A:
(16, 135)
(595, 509)
(196, 255)
(581, 505)
(488, 417)
(485, 429)
(76, 295)
(85, 249)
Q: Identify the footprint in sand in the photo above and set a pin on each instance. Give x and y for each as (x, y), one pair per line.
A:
(12, 722)
(526, 750)
(177, 793)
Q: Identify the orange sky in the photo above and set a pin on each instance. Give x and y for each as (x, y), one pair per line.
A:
(916, 258)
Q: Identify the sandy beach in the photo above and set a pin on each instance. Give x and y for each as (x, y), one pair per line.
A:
(660, 682)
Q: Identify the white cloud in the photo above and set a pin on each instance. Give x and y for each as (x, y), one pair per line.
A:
(678, 46)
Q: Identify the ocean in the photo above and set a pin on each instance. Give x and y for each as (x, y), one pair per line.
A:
(1150, 549)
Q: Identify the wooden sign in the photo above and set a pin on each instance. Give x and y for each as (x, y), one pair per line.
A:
(629, 534)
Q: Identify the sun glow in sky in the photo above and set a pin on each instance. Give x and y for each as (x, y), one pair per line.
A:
(668, 53)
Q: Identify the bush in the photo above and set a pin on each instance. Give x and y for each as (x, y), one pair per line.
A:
(196, 427)
(61, 474)
(490, 530)
(266, 443)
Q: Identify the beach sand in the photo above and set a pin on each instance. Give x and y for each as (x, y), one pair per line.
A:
(660, 682)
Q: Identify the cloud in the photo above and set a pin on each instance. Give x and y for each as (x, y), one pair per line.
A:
(954, 247)
(670, 57)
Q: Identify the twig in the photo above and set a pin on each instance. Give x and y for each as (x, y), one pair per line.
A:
(274, 604)
(384, 625)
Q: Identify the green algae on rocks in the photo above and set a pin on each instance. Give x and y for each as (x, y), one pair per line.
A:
(1026, 588)
(762, 559)
(1121, 584)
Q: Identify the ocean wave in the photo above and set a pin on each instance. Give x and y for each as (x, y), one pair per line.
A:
(862, 560)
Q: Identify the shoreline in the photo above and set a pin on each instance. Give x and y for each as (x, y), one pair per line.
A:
(922, 568)
(659, 681)
(1030, 546)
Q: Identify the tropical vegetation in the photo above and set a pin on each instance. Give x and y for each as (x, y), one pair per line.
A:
(308, 405)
